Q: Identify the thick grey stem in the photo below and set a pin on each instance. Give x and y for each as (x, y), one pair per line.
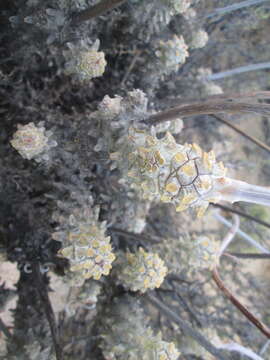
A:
(237, 190)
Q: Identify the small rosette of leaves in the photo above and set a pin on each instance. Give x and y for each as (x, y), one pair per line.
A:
(33, 142)
(85, 244)
(142, 271)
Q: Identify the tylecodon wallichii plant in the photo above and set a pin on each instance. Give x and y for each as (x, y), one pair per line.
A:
(184, 175)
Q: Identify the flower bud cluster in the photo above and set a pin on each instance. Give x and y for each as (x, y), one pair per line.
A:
(176, 6)
(162, 170)
(116, 115)
(172, 53)
(203, 253)
(142, 271)
(33, 142)
(85, 244)
(125, 331)
(84, 62)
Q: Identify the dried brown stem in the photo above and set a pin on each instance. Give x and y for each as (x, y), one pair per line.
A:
(242, 132)
(96, 10)
(208, 108)
(252, 318)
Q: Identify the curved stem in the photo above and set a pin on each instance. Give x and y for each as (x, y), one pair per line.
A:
(261, 326)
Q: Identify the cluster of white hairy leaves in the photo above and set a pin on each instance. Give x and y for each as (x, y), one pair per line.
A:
(187, 253)
(142, 271)
(129, 213)
(174, 126)
(172, 53)
(203, 253)
(85, 61)
(209, 87)
(35, 351)
(33, 142)
(162, 170)
(115, 115)
(125, 331)
(199, 39)
(85, 244)
(85, 297)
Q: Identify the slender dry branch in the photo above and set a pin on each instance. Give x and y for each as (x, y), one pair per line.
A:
(249, 256)
(252, 318)
(238, 70)
(234, 7)
(42, 290)
(259, 143)
(208, 108)
(241, 213)
(172, 316)
(96, 10)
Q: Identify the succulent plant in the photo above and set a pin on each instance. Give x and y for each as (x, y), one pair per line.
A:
(184, 175)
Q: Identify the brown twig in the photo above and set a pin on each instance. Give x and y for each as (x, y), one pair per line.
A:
(252, 318)
(241, 213)
(96, 10)
(41, 287)
(242, 132)
(208, 108)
